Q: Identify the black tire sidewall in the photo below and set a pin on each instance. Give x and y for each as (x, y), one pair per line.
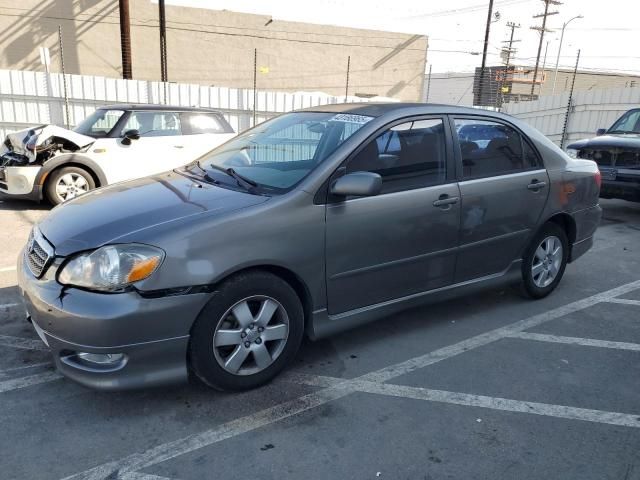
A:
(50, 188)
(201, 357)
(530, 288)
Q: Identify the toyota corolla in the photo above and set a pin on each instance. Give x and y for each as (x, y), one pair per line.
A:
(310, 223)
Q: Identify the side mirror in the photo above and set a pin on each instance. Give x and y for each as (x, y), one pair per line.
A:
(601, 131)
(130, 135)
(358, 184)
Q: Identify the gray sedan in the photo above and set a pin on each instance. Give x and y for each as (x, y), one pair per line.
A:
(310, 223)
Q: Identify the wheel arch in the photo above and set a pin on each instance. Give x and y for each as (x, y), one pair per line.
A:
(289, 276)
(567, 223)
(71, 160)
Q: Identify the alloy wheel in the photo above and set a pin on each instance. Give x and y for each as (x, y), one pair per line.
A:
(71, 185)
(251, 335)
(547, 260)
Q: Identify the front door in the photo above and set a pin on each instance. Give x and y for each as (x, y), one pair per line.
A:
(161, 147)
(402, 241)
(504, 189)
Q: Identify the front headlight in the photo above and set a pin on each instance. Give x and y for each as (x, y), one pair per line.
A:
(112, 267)
(572, 152)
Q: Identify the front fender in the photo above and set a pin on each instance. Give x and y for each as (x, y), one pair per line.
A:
(67, 159)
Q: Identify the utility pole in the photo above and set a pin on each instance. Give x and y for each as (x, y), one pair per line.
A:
(163, 42)
(125, 40)
(484, 52)
(507, 52)
(542, 29)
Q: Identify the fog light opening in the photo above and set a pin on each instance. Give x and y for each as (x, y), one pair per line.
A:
(101, 358)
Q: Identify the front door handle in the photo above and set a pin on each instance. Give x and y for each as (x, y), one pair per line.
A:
(445, 201)
(178, 146)
(536, 185)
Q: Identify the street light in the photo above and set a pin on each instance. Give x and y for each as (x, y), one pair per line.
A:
(555, 75)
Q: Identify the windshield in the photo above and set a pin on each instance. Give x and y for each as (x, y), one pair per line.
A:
(627, 123)
(99, 123)
(279, 153)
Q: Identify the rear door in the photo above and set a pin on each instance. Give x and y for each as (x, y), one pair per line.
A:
(402, 241)
(504, 188)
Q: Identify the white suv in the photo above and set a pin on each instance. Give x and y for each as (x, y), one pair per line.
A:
(115, 143)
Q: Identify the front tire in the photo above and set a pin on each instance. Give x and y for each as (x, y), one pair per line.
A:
(544, 261)
(248, 332)
(67, 183)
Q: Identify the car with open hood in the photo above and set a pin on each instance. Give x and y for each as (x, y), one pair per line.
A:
(114, 143)
(310, 223)
(617, 152)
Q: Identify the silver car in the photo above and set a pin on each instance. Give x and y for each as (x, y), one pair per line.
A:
(311, 223)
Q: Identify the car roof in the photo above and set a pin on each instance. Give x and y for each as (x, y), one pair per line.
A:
(378, 109)
(162, 108)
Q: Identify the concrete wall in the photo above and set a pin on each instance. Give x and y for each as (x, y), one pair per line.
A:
(213, 48)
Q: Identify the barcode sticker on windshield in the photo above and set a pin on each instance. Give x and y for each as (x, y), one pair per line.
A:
(351, 118)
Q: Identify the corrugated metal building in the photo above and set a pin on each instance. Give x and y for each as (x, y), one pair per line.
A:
(216, 48)
(457, 88)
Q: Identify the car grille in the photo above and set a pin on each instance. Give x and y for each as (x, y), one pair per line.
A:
(607, 158)
(628, 159)
(39, 253)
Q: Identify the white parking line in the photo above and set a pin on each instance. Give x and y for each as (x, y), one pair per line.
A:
(624, 301)
(22, 382)
(141, 476)
(430, 358)
(9, 305)
(167, 451)
(9, 371)
(587, 342)
(8, 269)
(19, 342)
(503, 404)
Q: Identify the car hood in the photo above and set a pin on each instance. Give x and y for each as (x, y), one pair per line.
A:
(607, 142)
(107, 214)
(28, 141)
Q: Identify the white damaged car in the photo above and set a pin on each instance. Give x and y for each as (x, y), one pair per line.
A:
(115, 143)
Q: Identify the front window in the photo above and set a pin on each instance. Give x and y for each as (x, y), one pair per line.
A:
(153, 124)
(100, 123)
(279, 153)
(627, 123)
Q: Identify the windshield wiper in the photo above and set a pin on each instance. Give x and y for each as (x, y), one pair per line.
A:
(623, 131)
(205, 175)
(243, 181)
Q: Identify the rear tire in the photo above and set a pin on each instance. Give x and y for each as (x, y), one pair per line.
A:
(249, 331)
(68, 182)
(544, 261)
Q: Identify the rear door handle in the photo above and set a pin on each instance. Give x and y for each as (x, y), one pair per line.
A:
(445, 201)
(178, 146)
(536, 185)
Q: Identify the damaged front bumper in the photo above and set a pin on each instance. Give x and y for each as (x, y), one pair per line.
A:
(20, 182)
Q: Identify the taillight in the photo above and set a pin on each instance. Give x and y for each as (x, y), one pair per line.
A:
(598, 178)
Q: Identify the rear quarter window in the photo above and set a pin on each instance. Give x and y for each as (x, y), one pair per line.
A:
(200, 123)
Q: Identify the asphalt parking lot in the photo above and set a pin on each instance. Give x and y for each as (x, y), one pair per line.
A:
(491, 386)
